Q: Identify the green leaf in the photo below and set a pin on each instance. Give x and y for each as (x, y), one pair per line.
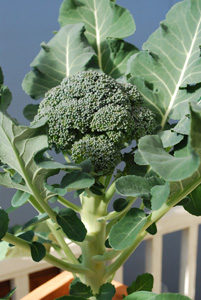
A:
(1, 76)
(136, 186)
(20, 198)
(167, 166)
(116, 56)
(5, 94)
(7, 181)
(195, 132)
(107, 245)
(95, 190)
(86, 166)
(120, 204)
(184, 201)
(27, 236)
(48, 163)
(164, 67)
(132, 168)
(102, 19)
(55, 189)
(151, 296)
(159, 194)
(170, 138)
(79, 289)
(194, 206)
(38, 251)
(183, 127)
(4, 221)
(106, 292)
(143, 282)
(18, 146)
(30, 111)
(66, 53)
(152, 229)
(17, 178)
(124, 233)
(71, 225)
(5, 98)
(77, 180)
(7, 297)
(138, 158)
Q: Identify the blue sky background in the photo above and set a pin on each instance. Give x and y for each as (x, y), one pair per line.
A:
(24, 24)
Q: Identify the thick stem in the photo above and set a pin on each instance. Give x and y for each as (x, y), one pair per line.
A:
(93, 207)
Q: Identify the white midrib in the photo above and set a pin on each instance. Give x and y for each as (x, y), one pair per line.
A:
(97, 35)
(181, 77)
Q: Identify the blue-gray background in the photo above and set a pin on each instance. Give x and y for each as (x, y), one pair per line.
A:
(24, 24)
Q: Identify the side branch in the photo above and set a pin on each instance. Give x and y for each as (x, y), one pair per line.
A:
(18, 242)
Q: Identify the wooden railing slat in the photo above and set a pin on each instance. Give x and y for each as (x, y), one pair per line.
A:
(188, 261)
(153, 260)
(22, 286)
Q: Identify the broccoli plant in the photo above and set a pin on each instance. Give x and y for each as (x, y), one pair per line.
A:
(92, 116)
(101, 94)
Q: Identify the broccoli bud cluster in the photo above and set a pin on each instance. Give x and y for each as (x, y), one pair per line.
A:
(92, 116)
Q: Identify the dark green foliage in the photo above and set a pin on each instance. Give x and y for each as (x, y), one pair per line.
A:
(152, 229)
(123, 233)
(143, 282)
(107, 244)
(94, 117)
(71, 225)
(106, 292)
(5, 94)
(38, 251)
(30, 111)
(79, 289)
(194, 206)
(77, 180)
(4, 221)
(120, 204)
(26, 236)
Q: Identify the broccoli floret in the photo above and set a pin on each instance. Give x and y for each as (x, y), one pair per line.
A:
(94, 117)
(103, 153)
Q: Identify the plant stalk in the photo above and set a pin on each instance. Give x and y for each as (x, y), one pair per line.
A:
(94, 207)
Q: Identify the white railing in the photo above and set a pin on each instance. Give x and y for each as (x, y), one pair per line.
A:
(177, 219)
(17, 270)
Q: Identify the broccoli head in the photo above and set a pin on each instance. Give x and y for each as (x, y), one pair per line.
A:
(92, 116)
